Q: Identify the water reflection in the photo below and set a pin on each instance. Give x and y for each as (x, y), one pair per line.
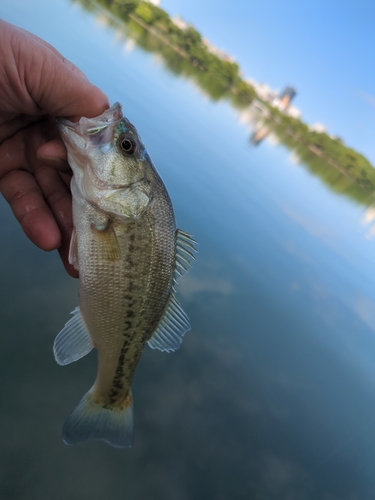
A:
(263, 127)
(368, 220)
(256, 116)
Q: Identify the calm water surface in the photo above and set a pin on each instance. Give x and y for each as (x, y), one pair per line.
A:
(272, 394)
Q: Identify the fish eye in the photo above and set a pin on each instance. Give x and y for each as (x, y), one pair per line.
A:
(127, 144)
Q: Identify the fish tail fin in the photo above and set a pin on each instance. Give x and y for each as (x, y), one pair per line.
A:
(91, 420)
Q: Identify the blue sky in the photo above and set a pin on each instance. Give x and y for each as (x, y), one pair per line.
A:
(325, 49)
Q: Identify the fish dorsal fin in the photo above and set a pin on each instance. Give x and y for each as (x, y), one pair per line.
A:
(171, 328)
(73, 342)
(73, 250)
(184, 253)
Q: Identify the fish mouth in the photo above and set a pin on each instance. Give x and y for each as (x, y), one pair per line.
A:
(90, 132)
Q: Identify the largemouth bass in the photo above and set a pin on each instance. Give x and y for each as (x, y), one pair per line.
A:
(129, 254)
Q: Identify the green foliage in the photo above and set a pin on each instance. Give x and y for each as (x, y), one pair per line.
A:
(330, 152)
(144, 11)
(151, 14)
(191, 38)
(243, 93)
(120, 8)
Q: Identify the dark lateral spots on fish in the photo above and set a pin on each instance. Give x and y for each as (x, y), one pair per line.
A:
(121, 360)
(118, 403)
(118, 380)
(131, 248)
(117, 384)
(120, 364)
(132, 237)
(119, 372)
(127, 327)
(130, 261)
(139, 323)
(135, 357)
(115, 391)
(130, 314)
(130, 286)
(130, 300)
(112, 396)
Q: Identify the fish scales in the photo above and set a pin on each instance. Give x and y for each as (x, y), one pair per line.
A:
(126, 247)
(123, 293)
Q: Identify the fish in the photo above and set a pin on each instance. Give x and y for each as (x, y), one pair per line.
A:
(129, 254)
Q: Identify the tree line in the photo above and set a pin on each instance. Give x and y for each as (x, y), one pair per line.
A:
(221, 78)
(190, 42)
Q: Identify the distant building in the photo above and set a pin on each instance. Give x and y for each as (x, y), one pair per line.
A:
(286, 97)
(283, 100)
(258, 135)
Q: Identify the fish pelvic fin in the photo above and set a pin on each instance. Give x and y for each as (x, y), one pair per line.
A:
(92, 420)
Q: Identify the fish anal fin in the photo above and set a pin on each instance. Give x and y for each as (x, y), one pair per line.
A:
(171, 328)
(73, 342)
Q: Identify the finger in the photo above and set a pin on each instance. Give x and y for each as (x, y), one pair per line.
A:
(42, 42)
(63, 91)
(39, 80)
(11, 126)
(19, 152)
(58, 197)
(52, 150)
(12, 154)
(25, 197)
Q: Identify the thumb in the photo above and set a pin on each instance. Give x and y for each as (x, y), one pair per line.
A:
(65, 91)
(54, 85)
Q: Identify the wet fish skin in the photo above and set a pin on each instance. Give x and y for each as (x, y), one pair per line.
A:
(128, 253)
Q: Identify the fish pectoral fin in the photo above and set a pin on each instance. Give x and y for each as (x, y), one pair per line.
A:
(171, 328)
(73, 250)
(73, 342)
(184, 253)
(108, 249)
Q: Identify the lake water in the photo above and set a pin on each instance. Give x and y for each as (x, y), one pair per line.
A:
(272, 394)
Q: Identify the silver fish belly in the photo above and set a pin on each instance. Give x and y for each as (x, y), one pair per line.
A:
(129, 254)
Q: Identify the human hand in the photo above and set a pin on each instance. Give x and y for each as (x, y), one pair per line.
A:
(36, 85)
